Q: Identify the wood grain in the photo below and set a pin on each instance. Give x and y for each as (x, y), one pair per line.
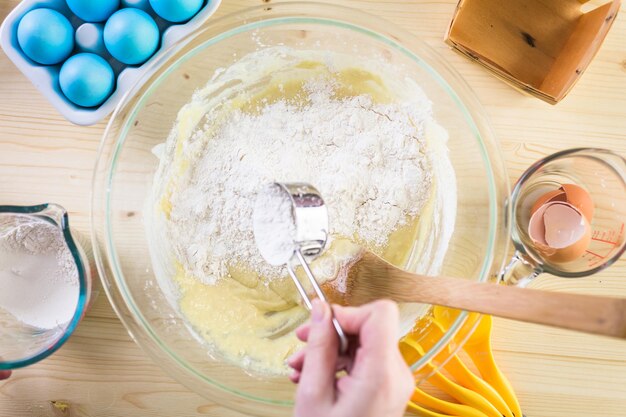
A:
(370, 278)
(100, 372)
(559, 37)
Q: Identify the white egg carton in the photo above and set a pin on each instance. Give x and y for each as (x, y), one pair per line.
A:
(45, 78)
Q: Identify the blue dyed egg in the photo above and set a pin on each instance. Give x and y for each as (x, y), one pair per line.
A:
(45, 36)
(139, 4)
(131, 36)
(176, 10)
(90, 38)
(86, 79)
(93, 10)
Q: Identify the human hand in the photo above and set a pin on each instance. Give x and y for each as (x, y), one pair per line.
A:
(4, 375)
(378, 384)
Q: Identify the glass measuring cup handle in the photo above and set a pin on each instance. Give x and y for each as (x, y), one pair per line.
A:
(79, 246)
(520, 271)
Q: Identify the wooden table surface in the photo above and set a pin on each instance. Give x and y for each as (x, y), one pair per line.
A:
(100, 372)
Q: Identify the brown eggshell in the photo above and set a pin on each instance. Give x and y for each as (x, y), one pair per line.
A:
(571, 252)
(536, 227)
(537, 232)
(579, 198)
(554, 195)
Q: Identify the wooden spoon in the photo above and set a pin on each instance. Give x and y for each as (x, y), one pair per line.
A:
(370, 278)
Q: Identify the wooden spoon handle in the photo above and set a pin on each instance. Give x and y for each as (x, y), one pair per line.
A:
(585, 313)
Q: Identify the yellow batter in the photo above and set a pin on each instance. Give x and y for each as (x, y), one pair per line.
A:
(246, 318)
(250, 321)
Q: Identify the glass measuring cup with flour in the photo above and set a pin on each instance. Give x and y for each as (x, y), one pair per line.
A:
(598, 178)
(45, 283)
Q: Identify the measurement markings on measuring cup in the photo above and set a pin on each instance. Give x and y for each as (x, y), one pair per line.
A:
(613, 238)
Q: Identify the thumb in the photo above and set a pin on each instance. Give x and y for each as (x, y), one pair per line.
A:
(318, 372)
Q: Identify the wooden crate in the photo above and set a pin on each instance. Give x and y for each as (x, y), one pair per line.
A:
(538, 46)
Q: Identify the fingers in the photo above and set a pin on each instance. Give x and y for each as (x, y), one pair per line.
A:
(375, 323)
(295, 377)
(318, 371)
(4, 375)
(377, 358)
(296, 362)
(344, 384)
(378, 380)
(302, 332)
(352, 319)
(406, 381)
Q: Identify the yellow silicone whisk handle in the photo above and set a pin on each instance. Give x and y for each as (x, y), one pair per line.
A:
(424, 412)
(437, 404)
(459, 393)
(457, 369)
(478, 347)
(469, 380)
(479, 350)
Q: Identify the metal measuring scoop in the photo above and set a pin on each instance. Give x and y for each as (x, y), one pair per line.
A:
(310, 219)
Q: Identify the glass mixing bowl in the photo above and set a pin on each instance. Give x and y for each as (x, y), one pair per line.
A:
(126, 166)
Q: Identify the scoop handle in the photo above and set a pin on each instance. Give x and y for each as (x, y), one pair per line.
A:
(585, 313)
(341, 335)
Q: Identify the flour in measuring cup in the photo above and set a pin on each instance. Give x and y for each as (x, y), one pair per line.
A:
(38, 275)
(274, 225)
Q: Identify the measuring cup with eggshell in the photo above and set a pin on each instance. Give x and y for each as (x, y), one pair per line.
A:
(568, 213)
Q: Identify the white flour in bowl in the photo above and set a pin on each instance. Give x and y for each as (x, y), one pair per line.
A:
(367, 159)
